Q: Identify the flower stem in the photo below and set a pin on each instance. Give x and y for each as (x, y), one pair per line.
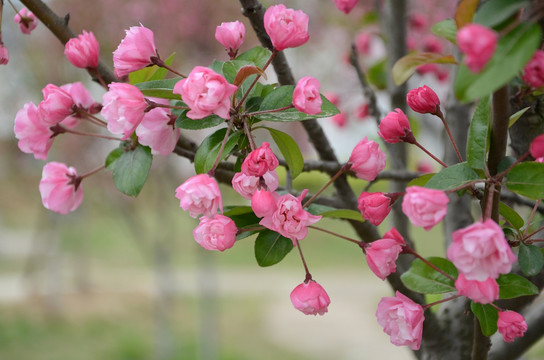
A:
(308, 275)
(249, 136)
(81, 133)
(336, 234)
(429, 153)
(156, 60)
(441, 116)
(271, 111)
(212, 171)
(533, 233)
(274, 52)
(94, 171)
(95, 120)
(409, 250)
(342, 170)
(537, 204)
(425, 307)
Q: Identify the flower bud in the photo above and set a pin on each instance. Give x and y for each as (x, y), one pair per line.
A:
(395, 127)
(286, 28)
(27, 21)
(533, 73)
(374, 207)
(60, 188)
(263, 203)
(382, 254)
(4, 54)
(82, 52)
(310, 298)
(231, 35)
(537, 147)
(246, 185)
(200, 195)
(259, 161)
(35, 137)
(306, 97)
(56, 105)
(124, 107)
(345, 5)
(425, 207)
(478, 43)
(483, 292)
(135, 51)
(340, 119)
(511, 325)
(217, 233)
(423, 100)
(367, 160)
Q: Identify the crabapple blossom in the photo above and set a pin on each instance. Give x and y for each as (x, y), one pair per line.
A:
(362, 111)
(423, 100)
(35, 137)
(60, 188)
(286, 28)
(425, 207)
(157, 131)
(340, 119)
(27, 21)
(200, 195)
(481, 251)
(56, 105)
(263, 202)
(123, 108)
(483, 292)
(82, 51)
(362, 42)
(4, 54)
(306, 97)
(82, 102)
(345, 5)
(382, 254)
(478, 43)
(205, 92)
(246, 185)
(231, 35)
(259, 161)
(401, 319)
(511, 325)
(216, 233)
(533, 73)
(394, 127)
(537, 147)
(367, 160)
(310, 298)
(135, 51)
(375, 207)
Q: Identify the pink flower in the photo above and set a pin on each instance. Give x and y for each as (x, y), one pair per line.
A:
(423, 100)
(157, 131)
(424, 167)
(432, 44)
(60, 188)
(362, 111)
(333, 98)
(362, 42)
(375, 207)
(394, 127)
(56, 105)
(289, 218)
(4, 54)
(82, 101)
(345, 5)
(231, 35)
(533, 73)
(124, 107)
(135, 51)
(263, 203)
(246, 185)
(34, 136)
(511, 325)
(200, 195)
(478, 43)
(205, 92)
(401, 319)
(259, 161)
(425, 207)
(82, 52)
(27, 21)
(537, 147)
(286, 27)
(340, 119)
(417, 22)
(382, 254)
(367, 160)
(480, 251)
(306, 97)
(483, 292)
(217, 233)
(310, 298)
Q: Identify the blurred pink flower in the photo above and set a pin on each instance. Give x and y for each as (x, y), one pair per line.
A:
(27, 21)
(478, 43)
(362, 42)
(135, 51)
(362, 111)
(345, 5)
(60, 188)
(286, 28)
(310, 298)
(82, 51)
(537, 147)
(425, 207)
(4, 54)
(533, 73)
(340, 119)
(217, 233)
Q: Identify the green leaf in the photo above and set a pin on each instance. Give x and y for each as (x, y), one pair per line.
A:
(446, 29)
(530, 259)
(209, 149)
(289, 149)
(150, 73)
(130, 168)
(511, 215)
(515, 117)
(405, 67)
(271, 248)
(513, 285)
(236, 210)
(494, 12)
(488, 317)
(228, 68)
(478, 134)
(257, 55)
(243, 217)
(421, 181)
(330, 212)
(377, 74)
(282, 97)
(514, 50)
(160, 88)
(452, 177)
(424, 279)
(527, 179)
(183, 122)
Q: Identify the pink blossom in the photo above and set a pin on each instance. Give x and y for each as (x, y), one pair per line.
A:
(394, 127)
(263, 203)
(362, 42)
(511, 325)
(82, 101)
(533, 73)
(205, 92)
(401, 319)
(286, 28)
(333, 98)
(374, 207)
(367, 160)
(362, 111)
(432, 44)
(425, 207)
(340, 119)
(259, 161)
(537, 147)
(417, 22)
(60, 188)
(246, 185)
(310, 298)
(27, 21)
(157, 131)
(124, 107)
(135, 51)
(289, 218)
(481, 251)
(478, 43)
(231, 35)
(483, 292)
(217, 233)
(35, 137)
(56, 105)
(424, 167)
(382, 254)
(82, 52)
(423, 100)
(345, 5)
(200, 195)
(306, 97)
(4, 54)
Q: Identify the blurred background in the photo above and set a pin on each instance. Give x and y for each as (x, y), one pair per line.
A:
(122, 278)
